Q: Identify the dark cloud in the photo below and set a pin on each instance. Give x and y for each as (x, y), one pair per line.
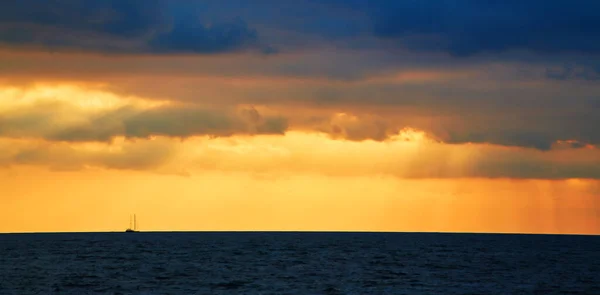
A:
(498, 130)
(541, 141)
(147, 155)
(120, 26)
(129, 18)
(461, 28)
(180, 122)
(574, 72)
(508, 114)
(499, 165)
(183, 122)
(520, 127)
(470, 26)
(349, 127)
(192, 36)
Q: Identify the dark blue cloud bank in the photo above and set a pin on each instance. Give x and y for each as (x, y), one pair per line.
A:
(119, 26)
(459, 28)
(470, 27)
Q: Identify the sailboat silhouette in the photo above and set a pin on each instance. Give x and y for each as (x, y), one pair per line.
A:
(134, 228)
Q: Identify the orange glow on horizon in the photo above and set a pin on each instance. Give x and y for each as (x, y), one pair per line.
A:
(238, 201)
(347, 174)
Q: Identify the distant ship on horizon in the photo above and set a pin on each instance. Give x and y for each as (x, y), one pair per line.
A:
(134, 228)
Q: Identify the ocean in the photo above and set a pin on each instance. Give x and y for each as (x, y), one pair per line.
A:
(193, 263)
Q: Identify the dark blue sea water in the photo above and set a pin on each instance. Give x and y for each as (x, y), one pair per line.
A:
(298, 263)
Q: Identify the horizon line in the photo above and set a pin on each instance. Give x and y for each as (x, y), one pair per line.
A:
(305, 231)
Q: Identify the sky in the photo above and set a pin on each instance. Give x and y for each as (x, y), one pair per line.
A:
(341, 115)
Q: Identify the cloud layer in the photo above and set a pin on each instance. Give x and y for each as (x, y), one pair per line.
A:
(74, 115)
(510, 75)
(460, 28)
(130, 26)
(79, 114)
(408, 155)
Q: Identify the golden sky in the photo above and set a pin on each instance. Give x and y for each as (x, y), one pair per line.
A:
(279, 127)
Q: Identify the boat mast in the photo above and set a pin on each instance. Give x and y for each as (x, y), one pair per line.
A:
(129, 221)
(134, 223)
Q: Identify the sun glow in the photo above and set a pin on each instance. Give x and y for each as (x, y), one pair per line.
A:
(84, 98)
